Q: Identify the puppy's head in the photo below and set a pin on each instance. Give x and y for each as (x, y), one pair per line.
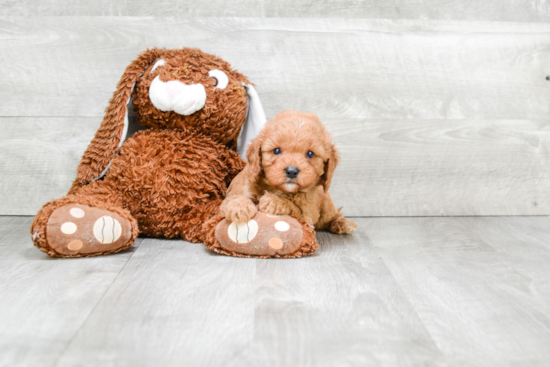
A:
(294, 152)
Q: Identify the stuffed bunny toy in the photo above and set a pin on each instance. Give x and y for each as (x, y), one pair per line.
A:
(171, 178)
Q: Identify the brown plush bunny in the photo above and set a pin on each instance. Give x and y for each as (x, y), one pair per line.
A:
(167, 180)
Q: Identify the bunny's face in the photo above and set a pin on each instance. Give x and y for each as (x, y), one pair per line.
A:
(190, 89)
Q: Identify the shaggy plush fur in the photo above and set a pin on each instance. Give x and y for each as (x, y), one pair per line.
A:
(169, 180)
(104, 197)
(220, 119)
(290, 139)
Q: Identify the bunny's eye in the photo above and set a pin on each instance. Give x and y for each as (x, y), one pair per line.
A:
(157, 64)
(220, 77)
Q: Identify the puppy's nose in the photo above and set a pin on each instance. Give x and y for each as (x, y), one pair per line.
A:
(292, 172)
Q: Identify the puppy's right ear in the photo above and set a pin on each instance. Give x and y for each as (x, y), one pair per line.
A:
(112, 131)
(254, 157)
(330, 166)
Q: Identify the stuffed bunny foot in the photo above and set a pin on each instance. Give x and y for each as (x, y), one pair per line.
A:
(264, 236)
(77, 230)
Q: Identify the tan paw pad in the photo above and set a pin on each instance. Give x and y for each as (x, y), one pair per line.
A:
(282, 226)
(68, 228)
(275, 243)
(77, 212)
(81, 229)
(75, 245)
(243, 232)
(107, 229)
(265, 235)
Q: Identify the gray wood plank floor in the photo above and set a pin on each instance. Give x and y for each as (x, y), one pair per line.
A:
(459, 291)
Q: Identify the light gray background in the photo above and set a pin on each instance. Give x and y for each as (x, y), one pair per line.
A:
(438, 107)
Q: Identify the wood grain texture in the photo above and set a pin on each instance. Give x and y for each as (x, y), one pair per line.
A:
(339, 308)
(433, 118)
(468, 291)
(39, 156)
(527, 250)
(346, 68)
(177, 304)
(45, 301)
(499, 10)
(442, 167)
(38, 159)
(389, 167)
(468, 281)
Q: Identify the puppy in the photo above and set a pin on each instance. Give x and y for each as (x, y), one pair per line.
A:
(289, 170)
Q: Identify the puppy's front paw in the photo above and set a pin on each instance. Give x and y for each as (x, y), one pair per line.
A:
(240, 210)
(272, 204)
(342, 225)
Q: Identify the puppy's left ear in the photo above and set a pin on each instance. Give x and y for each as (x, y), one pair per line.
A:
(254, 155)
(254, 122)
(330, 166)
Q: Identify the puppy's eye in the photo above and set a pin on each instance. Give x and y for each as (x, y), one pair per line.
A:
(310, 154)
(220, 77)
(277, 151)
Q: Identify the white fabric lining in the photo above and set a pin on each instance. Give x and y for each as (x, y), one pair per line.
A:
(254, 121)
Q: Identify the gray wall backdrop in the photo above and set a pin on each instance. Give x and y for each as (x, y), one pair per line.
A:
(438, 107)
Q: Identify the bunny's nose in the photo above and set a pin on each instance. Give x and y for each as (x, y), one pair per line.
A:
(184, 99)
(292, 172)
(174, 88)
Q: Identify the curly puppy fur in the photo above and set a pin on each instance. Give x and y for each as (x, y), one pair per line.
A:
(291, 139)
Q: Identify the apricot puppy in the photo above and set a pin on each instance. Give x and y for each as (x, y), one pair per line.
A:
(289, 171)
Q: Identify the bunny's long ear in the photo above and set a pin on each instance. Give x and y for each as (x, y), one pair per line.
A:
(111, 133)
(255, 121)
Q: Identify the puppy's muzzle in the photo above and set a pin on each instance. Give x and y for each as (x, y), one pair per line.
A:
(184, 99)
(292, 172)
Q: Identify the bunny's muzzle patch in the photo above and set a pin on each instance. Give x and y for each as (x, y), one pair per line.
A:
(183, 99)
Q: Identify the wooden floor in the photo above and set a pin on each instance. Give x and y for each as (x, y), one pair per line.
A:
(430, 291)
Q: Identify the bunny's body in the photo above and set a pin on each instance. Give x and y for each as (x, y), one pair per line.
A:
(164, 181)
(170, 181)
